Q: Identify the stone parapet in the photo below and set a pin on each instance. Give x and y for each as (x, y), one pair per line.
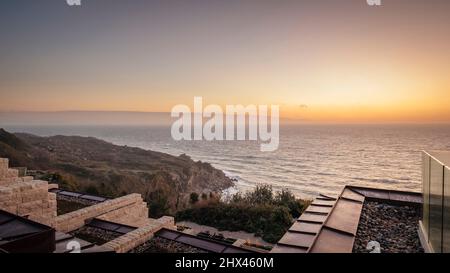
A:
(133, 215)
(129, 207)
(10, 176)
(167, 222)
(134, 238)
(29, 198)
(4, 163)
(53, 186)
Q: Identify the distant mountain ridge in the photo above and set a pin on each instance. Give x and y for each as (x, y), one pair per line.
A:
(93, 165)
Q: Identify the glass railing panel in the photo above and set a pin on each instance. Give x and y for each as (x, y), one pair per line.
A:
(426, 192)
(436, 200)
(446, 228)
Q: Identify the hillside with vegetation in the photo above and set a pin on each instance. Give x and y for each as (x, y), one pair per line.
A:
(94, 166)
(261, 211)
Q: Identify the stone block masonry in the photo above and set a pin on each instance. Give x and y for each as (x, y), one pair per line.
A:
(132, 215)
(141, 235)
(31, 198)
(8, 176)
(24, 196)
(3, 166)
(129, 209)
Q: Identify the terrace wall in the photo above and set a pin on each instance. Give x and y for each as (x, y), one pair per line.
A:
(130, 210)
(141, 235)
(30, 198)
(24, 196)
(135, 215)
(7, 175)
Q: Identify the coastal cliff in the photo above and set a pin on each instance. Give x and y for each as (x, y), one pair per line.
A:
(91, 165)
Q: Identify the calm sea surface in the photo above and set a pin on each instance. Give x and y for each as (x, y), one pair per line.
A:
(311, 159)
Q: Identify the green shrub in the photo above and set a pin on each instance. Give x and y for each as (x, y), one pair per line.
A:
(193, 198)
(259, 212)
(64, 182)
(263, 194)
(270, 221)
(91, 189)
(158, 203)
(286, 199)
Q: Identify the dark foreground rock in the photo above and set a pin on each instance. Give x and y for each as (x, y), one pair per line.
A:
(393, 227)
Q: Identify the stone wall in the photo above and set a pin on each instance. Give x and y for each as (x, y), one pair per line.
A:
(7, 175)
(26, 197)
(129, 209)
(31, 198)
(135, 215)
(141, 235)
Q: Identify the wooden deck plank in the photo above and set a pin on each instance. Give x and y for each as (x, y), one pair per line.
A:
(287, 249)
(305, 227)
(330, 241)
(318, 202)
(310, 217)
(297, 239)
(345, 216)
(318, 209)
(349, 194)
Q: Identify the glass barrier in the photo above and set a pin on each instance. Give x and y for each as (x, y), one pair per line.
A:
(436, 200)
(446, 228)
(426, 192)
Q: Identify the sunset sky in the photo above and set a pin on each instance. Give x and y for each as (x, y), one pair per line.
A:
(320, 60)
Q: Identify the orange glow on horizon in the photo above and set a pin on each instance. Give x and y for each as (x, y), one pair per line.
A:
(342, 62)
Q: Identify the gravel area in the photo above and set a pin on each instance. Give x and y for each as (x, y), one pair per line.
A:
(393, 227)
(66, 204)
(161, 245)
(95, 235)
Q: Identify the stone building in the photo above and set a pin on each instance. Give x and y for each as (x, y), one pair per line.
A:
(36, 200)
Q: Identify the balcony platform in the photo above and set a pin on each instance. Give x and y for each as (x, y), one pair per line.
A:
(330, 225)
